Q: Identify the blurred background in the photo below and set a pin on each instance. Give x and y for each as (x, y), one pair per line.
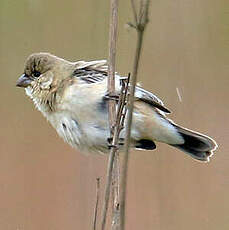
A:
(45, 184)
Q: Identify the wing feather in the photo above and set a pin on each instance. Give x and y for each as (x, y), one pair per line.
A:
(150, 99)
(96, 71)
(91, 72)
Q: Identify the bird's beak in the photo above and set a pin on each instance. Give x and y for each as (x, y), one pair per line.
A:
(23, 81)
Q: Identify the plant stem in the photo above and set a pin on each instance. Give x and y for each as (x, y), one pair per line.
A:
(112, 110)
(141, 22)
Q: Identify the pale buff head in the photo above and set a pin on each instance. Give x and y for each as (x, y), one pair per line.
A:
(43, 73)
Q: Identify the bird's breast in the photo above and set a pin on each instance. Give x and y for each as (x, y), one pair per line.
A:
(83, 134)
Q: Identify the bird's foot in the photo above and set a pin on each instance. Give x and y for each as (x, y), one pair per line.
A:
(121, 142)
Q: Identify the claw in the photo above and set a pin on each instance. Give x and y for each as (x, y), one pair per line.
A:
(123, 78)
(112, 146)
(120, 143)
(109, 140)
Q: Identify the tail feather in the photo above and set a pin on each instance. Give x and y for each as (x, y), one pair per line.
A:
(197, 145)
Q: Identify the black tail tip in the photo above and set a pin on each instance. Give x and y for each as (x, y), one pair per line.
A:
(197, 145)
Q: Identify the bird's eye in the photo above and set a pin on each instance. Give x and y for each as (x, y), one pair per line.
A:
(36, 73)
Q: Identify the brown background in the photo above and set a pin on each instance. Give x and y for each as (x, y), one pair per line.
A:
(45, 184)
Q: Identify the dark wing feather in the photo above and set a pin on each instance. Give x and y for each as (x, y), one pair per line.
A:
(96, 71)
(150, 99)
(89, 75)
(91, 72)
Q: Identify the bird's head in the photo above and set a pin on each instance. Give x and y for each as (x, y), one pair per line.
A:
(43, 74)
(42, 70)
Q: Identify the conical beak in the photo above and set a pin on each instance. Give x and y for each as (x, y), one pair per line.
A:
(23, 81)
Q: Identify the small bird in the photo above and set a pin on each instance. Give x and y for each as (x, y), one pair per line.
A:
(73, 98)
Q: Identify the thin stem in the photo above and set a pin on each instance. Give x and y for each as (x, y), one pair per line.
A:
(115, 194)
(114, 147)
(140, 27)
(134, 12)
(111, 66)
(96, 203)
(112, 111)
(128, 131)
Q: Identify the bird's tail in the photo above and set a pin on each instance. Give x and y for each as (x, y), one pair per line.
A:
(197, 145)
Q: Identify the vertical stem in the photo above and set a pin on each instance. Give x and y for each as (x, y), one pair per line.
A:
(111, 66)
(111, 108)
(96, 203)
(115, 194)
(128, 129)
(141, 21)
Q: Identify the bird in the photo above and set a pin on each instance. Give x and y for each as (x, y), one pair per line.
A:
(73, 98)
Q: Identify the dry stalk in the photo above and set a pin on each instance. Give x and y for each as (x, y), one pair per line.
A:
(96, 203)
(141, 20)
(112, 105)
(118, 126)
(116, 120)
(115, 193)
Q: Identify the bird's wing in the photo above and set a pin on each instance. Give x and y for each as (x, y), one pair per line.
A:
(99, 65)
(91, 72)
(96, 71)
(149, 98)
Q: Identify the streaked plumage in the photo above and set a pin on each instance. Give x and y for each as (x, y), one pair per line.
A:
(71, 95)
